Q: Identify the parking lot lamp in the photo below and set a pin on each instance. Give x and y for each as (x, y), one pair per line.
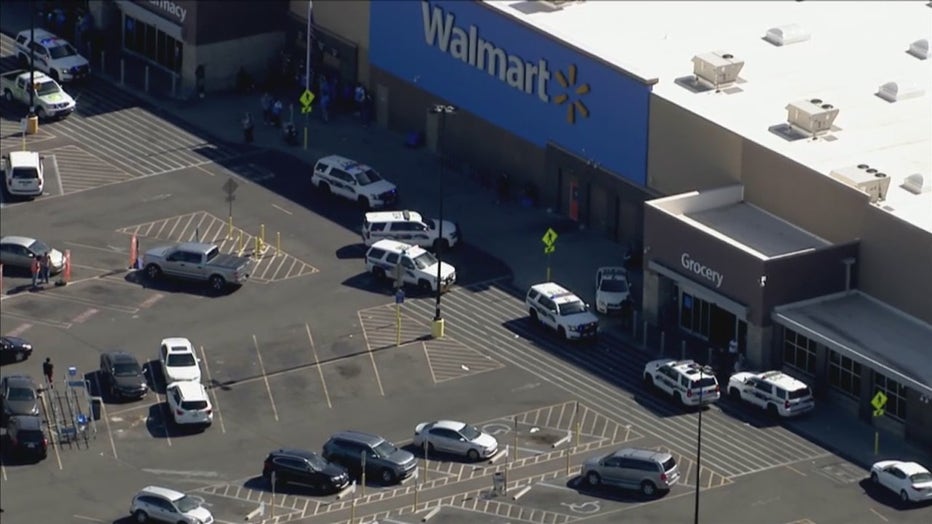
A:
(442, 111)
(698, 453)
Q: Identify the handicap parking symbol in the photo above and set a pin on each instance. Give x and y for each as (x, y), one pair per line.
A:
(496, 428)
(584, 508)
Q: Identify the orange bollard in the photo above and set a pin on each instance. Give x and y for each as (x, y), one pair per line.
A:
(67, 270)
(133, 252)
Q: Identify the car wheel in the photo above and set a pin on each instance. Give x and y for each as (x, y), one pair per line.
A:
(424, 285)
(904, 497)
(562, 333)
(678, 397)
(593, 478)
(363, 203)
(53, 74)
(733, 393)
(379, 273)
(430, 449)
(153, 272)
(534, 315)
(874, 478)
(41, 113)
(388, 476)
(772, 410)
(23, 60)
(472, 455)
(324, 188)
(217, 283)
(648, 488)
(141, 516)
(8, 95)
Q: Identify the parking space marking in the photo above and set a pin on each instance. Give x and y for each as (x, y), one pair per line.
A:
(79, 170)
(213, 393)
(53, 439)
(320, 370)
(103, 413)
(269, 265)
(19, 330)
(12, 133)
(371, 357)
(265, 377)
(283, 210)
(708, 478)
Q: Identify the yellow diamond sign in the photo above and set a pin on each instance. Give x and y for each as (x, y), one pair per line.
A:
(879, 401)
(549, 237)
(307, 98)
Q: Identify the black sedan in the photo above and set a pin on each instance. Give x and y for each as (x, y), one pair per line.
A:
(14, 349)
(304, 467)
(122, 375)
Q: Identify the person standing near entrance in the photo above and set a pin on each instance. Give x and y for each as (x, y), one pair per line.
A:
(733, 355)
(48, 370)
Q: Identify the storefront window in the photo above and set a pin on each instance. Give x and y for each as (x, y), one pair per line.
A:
(844, 374)
(694, 315)
(148, 41)
(896, 396)
(799, 352)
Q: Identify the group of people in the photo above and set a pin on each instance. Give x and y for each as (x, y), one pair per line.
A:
(41, 268)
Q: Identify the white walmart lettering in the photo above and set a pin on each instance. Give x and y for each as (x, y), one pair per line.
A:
(171, 7)
(466, 45)
(703, 271)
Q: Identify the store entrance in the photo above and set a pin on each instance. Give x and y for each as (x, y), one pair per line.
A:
(710, 322)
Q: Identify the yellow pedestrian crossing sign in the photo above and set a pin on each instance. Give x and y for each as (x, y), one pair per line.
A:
(307, 98)
(550, 237)
(549, 249)
(879, 402)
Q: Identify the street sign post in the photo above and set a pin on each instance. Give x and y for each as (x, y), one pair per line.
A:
(229, 187)
(399, 300)
(879, 402)
(307, 98)
(549, 239)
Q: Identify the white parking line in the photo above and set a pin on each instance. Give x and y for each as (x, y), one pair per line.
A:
(61, 187)
(45, 408)
(103, 413)
(3, 471)
(283, 210)
(371, 356)
(223, 429)
(265, 378)
(317, 365)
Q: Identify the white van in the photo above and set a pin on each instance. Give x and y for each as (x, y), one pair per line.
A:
(23, 173)
(412, 265)
(409, 227)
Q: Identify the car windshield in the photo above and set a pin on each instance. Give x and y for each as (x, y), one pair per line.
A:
(799, 393)
(317, 462)
(21, 394)
(47, 88)
(187, 503)
(470, 432)
(614, 286)
(704, 382)
(39, 246)
(181, 359)
(128, 369)
(62, 51)
(573, 308)
(385, 449)
(367, 177)
(424, 261)
(924, 476)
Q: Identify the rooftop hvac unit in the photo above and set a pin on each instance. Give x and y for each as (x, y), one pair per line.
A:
(866, 179)
(920, 49)
(812, 116)
(786, 34)
(717, 68)
(558, 4)
(917, 184)
(896, 91)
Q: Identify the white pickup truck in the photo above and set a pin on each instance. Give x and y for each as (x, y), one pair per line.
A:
(50, 99)
(197, 261)
(23, 173)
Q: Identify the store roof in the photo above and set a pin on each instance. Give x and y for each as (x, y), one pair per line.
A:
(853, 48)
(867, 331)
(723, 214)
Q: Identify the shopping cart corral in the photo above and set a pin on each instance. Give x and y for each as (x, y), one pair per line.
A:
(71, 412)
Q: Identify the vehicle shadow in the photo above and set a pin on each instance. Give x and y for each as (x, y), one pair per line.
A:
(159, 423)
(441, 456)
(624, 496)
(155, 378)
(260, 483)
(736, 409)
(890, 499)
(352, 251)
(10, 458)
(172, 285)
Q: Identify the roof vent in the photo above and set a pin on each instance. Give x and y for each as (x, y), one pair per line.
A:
(813, 116)
(917, 184)
(717, 68)
(896, 91)
(920, 49)
(786, 34)
(866, 179)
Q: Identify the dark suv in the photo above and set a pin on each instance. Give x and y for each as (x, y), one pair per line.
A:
(304, 467)
(121, 375)
(383, 460)
(26, 436)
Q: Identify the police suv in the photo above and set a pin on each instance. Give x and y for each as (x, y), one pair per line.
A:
(408, 265)
(686, 381)
(408, 227)
(54, 56)
(353, 181)
(560, 310)
(773, 391)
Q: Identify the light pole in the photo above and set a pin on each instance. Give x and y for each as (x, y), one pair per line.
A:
(442, 111)
(32, 65)
(698, 452)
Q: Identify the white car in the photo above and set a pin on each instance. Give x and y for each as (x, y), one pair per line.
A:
(54, 56)
(179, 362)
(689, 383)
(354, 181)
(910, 480)
(168, 505)
(23, 173)
(560, 310)
(612, 291)
(457, 438)
(773, 391)
(189, 403)
(19, 252)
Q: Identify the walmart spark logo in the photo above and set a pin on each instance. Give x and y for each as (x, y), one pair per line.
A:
(572, 95)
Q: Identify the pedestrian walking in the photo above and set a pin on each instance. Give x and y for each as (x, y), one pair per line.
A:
(45, 265)
(48, 369)
(34, 269)
(733, 354)
(266, 103)
(247, 128)
(359, 96)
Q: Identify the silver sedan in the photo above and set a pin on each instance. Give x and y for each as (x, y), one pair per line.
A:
(456, 438)
(19, 252)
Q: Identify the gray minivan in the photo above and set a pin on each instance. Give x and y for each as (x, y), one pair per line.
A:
(646, 470)
(383, 460)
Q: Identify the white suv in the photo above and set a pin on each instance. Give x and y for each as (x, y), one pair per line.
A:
(773, 391)
(409, 227)
(168, 505)
(54, 55)
(189, 403)
(411, 265)
(24, 173)
(353, 181)
(686, 381)
(560, 310)
(178, 360)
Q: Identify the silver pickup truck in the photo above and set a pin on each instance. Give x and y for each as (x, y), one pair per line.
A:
(196, 261)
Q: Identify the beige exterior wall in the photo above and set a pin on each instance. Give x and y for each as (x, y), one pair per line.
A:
(348, 19)
(687, 152)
